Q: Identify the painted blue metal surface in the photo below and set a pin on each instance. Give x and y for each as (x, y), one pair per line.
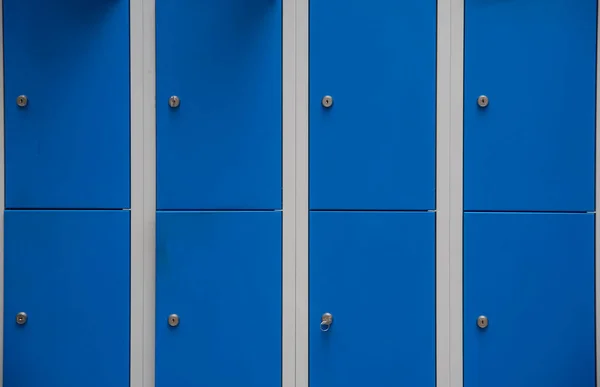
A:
(221, 273)
(375, 147)
(69, 271)
(221, 148)
(532, 275)
(69, 147)
(532, 148)
(375, 273)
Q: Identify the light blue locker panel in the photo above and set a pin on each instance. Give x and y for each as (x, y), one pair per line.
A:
(374, 272)
(374, 147)
(69, 272)
(220, 273)
(68, 147)
(220, 149)
(532, 147)
(532, 276)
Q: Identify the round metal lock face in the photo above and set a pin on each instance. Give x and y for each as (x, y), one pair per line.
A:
(21, 318)
(174, 101)
(482, 322)
(327, 101)
(483, 101)
(22, 101)
(173, 320)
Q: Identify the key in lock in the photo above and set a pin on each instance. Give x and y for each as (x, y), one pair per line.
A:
(326, 321)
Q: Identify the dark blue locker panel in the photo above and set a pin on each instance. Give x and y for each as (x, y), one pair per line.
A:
(375, 273)
(220, 273)
(68, 147)
(374, 148)
(69, 272)
(220, 149)
(532, 276)
(532, 147)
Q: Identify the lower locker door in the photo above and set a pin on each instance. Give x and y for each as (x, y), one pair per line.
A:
(218, 299)
(531, 277)
(68, 272)
(374, 273)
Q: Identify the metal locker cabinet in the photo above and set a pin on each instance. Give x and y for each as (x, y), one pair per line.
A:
(68, 271)
(218, 80)
(374, 272)
(372, 104)
(530, 147)
(67, 144)
(532, 276)
(218, 299)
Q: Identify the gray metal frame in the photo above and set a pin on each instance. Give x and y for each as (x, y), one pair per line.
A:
(293, 214)
(455, 199)
(143, 192)
(136, 340)
(443, 190)
(301, 194)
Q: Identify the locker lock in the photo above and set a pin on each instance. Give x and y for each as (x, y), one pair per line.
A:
(482, 322)
(21, 318)
(174, 101)
(22, 101)
(483, 101)
(326, 321)
(327, 101)
(173, 320)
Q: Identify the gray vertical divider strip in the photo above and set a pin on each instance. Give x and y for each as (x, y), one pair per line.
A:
(288, 339)
(457, 28)
(143, 191)
(149, 195)
(443, 203)
(302, 277)
(136, 340)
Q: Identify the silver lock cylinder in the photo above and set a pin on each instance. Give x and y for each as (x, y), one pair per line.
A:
(174, 101)
(327, 101)
(482, 322)
(483, 101)
(173, 320)
(22, 101)
(21, 318)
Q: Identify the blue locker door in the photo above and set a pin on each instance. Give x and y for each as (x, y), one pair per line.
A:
(220, 273)
(69, 272)
(374, 272)
(532, 147)
(68, 147)
(532, 276)
(220, 149)
(374, 147)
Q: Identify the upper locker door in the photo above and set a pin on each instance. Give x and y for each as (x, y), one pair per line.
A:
(219, 137)
(530, 146)
(67, 138)
(372, 104)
